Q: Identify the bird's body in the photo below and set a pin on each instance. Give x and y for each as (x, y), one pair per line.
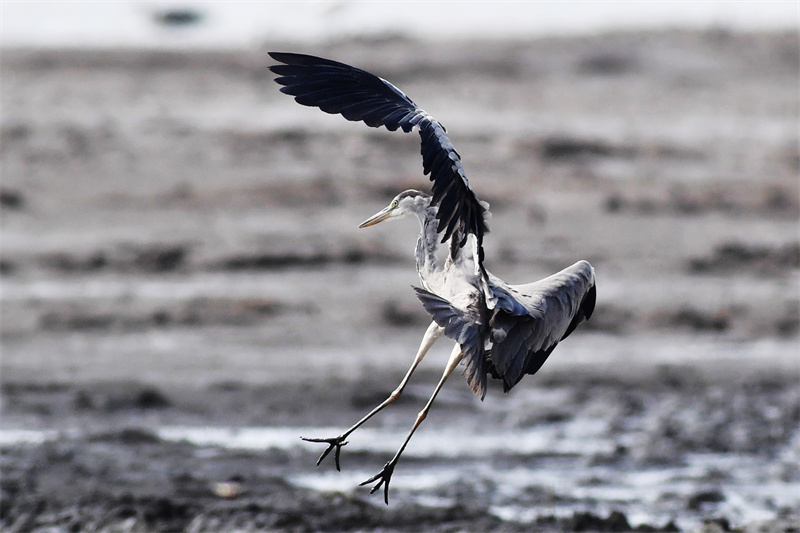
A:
(515, 333)
(501, 331)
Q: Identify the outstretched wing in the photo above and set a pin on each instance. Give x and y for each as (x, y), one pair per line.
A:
(530, 320)
(357, 95)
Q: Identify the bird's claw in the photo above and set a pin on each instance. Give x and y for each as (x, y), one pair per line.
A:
(333, 443)
(383, 477)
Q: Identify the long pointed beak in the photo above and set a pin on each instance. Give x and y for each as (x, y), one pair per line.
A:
(380, 216)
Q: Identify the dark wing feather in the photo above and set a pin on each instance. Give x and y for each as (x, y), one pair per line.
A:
(357, 95)
(530, 320)
(458, 327)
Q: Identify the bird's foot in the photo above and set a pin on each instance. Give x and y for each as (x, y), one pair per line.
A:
(333, 443)
(383, 477)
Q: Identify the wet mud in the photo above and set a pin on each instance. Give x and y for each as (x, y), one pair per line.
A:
(111, 469)
(185, 291)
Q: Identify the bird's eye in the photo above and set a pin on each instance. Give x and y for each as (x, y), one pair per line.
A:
(394, 204)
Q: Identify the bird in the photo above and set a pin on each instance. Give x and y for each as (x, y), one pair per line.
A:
(500, 330)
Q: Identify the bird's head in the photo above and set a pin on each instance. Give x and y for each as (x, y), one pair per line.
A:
(407, 202)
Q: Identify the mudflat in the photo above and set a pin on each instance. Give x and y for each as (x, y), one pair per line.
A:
(185, 291)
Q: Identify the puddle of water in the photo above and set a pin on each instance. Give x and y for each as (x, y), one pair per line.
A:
(580, 438)
(17, 437)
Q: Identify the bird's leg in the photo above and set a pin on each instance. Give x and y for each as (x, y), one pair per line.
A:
(432, 334)
(384, 476)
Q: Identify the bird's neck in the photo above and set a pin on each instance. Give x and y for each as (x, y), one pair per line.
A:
(427, 246)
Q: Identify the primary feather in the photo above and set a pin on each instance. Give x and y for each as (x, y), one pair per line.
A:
(357, 95)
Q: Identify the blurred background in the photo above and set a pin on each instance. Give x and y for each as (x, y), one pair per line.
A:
(185, 292)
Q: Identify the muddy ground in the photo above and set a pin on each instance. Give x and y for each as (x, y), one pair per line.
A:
(180, 251)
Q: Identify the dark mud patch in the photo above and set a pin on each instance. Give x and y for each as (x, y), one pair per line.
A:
(402, 314)
(278, 260)
(608, 64)
(121, 398)
(616, 521)
(273, 261)
(79, 321)
(699, 499)
(47, 405)
(756, 259)
(573, 149)
(149, 258)
(11, 199)
(697, 320)
(122, 316)
(781, 321)
(614, 319)
(7, 267)
(126, 437)
(567, 148)
(771, 201)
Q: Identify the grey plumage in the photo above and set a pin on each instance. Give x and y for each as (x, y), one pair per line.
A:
(514, 336)
(501, 331)
(530, 320)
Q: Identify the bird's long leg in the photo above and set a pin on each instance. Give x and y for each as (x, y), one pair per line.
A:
(432, 334)
(384, 476)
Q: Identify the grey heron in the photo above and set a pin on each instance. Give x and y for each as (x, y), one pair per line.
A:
(500, 330)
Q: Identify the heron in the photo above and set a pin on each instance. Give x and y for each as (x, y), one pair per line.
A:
(500, 330)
